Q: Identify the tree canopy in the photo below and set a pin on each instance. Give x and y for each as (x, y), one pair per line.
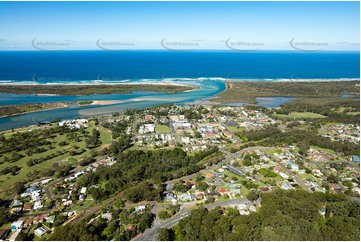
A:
(283, 215)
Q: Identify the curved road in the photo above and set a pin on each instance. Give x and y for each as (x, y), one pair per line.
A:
(151, 234)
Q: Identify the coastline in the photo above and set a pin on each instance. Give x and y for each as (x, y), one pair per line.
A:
(104, 102)
(293, 80)
(46, 94)
(169, 81)
(81, 89)
(207, 92)
(248, 92)
(90, 83)
(45, 109)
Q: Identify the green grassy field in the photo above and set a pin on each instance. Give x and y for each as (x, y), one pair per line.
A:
(353, 113)
(244, 191)
(300, 115)
(236, 129)
(342, 109)
(137, 147)
(328, 151)
(82, 205)
(162, 129)
(7, 181)
(305, 176)
(277, 179)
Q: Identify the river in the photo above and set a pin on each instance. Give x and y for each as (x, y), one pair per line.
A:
(205, 88)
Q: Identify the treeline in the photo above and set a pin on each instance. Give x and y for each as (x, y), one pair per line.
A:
(10, 169)
(78, 232)
(249, 91)
(17, 109)
(22, 141)
(93, 140)
(283, 215)
(255, 135)
(116, 230)
(9, 110)
(5, 215)
(90, 89)
(144, 191)
(325, 106)
(191, 114)
(135, 166)
(303, 138)
(117, 128)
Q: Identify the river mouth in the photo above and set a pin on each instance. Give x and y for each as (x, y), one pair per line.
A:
(107, 103)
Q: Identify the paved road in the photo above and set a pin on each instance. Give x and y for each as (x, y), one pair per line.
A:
(14, 235)
(233, 156)
(151, 234)
(135, 124)
(176, 137)
(266, 150)
(323, 171)
(47, 192)
(286, 170)
(216, 115)
(11, 198)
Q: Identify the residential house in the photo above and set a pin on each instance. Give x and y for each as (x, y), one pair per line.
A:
(264, 189)
(27, 207)
(140, 208)
(169, 187)
(185, 197)
(83, 190)
(107, 216)
(17, 225)
(355, 159)
(38, 219)
(28, 222)
(171, 197)
(16, 203)
(285, 186)
(40, 231)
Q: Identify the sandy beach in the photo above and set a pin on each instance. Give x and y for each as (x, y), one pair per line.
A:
(46, 94)
(106, 102)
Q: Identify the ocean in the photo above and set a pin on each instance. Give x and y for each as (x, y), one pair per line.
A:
(204, 69)
(49, 67)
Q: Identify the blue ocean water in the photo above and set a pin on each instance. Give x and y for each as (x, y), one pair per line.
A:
(108, 66)
(204, 69)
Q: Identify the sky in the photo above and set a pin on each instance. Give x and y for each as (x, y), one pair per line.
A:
(180, 25)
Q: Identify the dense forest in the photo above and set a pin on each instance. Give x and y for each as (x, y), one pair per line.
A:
(140, 173)
(283, 215)
(101, 230)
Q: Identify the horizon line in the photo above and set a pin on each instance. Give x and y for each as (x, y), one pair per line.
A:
(190, 50)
